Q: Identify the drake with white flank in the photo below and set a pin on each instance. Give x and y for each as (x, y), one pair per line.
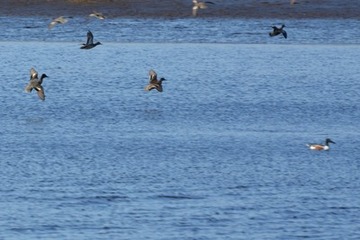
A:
(320, 147)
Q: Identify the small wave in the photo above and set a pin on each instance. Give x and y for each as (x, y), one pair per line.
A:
(177, 197)
(239, 187)
(109, 198)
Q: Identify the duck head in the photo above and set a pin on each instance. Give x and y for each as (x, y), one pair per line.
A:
(43, 76)
(328, 140)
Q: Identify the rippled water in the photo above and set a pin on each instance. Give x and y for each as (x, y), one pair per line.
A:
(193, 30)
(220, 154)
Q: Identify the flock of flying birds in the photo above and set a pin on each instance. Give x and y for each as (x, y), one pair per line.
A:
(154, 83)
(35, 82)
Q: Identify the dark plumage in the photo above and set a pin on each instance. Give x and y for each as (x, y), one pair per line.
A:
(154, 83)
(35, 83)
(90, 42)
(276, 31)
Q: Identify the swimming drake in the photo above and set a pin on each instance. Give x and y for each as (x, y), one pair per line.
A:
(59, 20)
(154, 83)
(35, 83)
(199, 5)
(97, 15)
(90, 41)
(320, 147)
(276, 31)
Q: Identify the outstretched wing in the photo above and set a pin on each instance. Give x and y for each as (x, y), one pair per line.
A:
(194, 10)
(97, 15)
(150, 87)
(90, 38)
(52, 24)
(154, 86)
(152, 76)
(33, 73)
(284, 34)
(29, 87)
(60, 20)
(40, 92)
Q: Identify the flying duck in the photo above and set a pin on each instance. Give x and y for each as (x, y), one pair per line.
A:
(276, 31)
(199, 5)
(319, 147)
(35, 83)
(98, 15)
(89, 43)
(154, 82)
(59, 20)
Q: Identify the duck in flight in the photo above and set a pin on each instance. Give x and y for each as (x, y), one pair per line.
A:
(35, 83)
(59, 20)
(276, 31)
(319, 147)
(90, 42)
(199, 5)
(154, 83)
(98, 15)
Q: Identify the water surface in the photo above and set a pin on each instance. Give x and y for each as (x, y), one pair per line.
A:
(220, 154)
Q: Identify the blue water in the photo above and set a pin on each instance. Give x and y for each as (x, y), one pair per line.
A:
(220, 154)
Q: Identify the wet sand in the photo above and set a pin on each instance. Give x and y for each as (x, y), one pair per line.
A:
(281, 9)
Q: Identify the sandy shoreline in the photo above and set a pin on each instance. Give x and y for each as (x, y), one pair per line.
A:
(281, 9)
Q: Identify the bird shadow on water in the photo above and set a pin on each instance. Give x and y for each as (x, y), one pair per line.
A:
(151, 110)
(152, 113)
(34, 120)
(31, 118)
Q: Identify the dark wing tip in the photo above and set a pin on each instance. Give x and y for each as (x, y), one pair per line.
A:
(89, 34)
(284, 34)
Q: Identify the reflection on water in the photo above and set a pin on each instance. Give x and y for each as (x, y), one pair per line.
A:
(220, 154)
(34, 120)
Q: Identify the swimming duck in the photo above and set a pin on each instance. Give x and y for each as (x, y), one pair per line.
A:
(199, 5)
(153, 82)
(98, 15)
(89, 43)
(319, 147)
(59, 20)
(276, 31)
(35, 83)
